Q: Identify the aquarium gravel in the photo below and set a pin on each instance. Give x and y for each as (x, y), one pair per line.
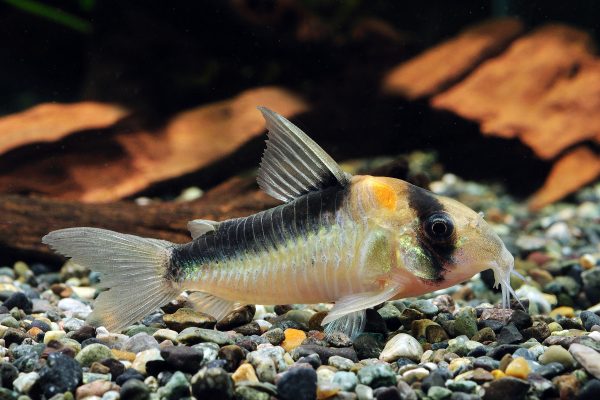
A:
(452, 344)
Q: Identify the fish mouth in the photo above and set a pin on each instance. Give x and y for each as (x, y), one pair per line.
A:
(503, 267)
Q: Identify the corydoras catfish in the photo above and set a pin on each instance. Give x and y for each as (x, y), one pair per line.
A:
(355, 241)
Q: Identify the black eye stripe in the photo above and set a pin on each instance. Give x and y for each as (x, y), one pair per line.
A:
(425, 205)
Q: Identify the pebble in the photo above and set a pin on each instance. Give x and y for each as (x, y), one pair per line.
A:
(182, 358)
(345, 380)
(518, 368)
(188, 318)
(96, 388)
(509, 334)
(292, 339)
(377, 375)
(557, 354)
(134, 389)
(177, 387)
(589, 319)
(439, 393)
(25, 382)
(587, 357)
(590, 390)
(198, 335)
(140, 342)
(506, 388)
(341, 363)
(212, 383)
(466, 322)
(298, 384)
(93, 352)
(401, 345)
(236, 318)
(144, 357)
(267, 362)
(245, 372)
(60, 374)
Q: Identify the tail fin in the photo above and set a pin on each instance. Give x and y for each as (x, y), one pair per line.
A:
(131, 267)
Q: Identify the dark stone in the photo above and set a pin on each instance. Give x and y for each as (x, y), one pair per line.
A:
(338, 339)
(154, 321)
(521, 319)
(155, 367)
(182, 358)
(116, 367)
(214, 384)
(164, 377)
(375, 322)
(551, 370)
(128, 374)
(499, 351)
(19, 300)
(506, 388)
(40, 324)
(569, 323)
(313, 359)
(402, 361)
(84, 333)
(281, 309)
(495, 325)
(487, 363)
(509, 334)
(249, 329)
(28, 362)
(542, 386)
(250, 343)
(387, 393)
(13, 335)
(325, 352)
(368, 346)
(437, 377)
(8, 373)
(134, 389)
(237, 317)
(314, 323)
(60, 374)
(538, 331)
(589, 319)
(298, 384)
(233, 355)
(478, 351)
(590, 391)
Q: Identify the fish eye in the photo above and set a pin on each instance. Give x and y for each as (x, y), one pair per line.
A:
(439, 226)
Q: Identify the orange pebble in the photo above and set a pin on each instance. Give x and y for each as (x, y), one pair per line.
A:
(497, 374)
(123, 355)
(518, 368)
(293, 339)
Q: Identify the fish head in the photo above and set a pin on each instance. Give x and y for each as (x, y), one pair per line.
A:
(443, 242)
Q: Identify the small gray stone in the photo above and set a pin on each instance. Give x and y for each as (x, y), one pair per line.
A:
(377, 375)
(140, 342)
(274, 336)
(587, 357)
(345, 380)
(212, 383)
(176, 388)
(200, 335)
(363, 392)
(341, 363)
(425, 306)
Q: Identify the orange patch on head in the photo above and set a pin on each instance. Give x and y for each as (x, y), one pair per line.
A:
(385, 195)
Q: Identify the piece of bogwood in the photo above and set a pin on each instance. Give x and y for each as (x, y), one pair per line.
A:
(530, 91)
(575, 169)
(52, 121)
(443, 65)
(25, 220)
(122, 160)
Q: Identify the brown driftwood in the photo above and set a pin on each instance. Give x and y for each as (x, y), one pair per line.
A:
(51, 122)
(543, 89)
(121, 160)
(575, 169)
(25, 220)
(443, 65)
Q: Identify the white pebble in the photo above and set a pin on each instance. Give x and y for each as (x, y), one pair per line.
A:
(401, 345)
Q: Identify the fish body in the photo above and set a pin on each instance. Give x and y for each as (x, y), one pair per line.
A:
(355, 241)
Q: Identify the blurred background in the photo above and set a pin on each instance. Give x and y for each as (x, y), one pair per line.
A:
(117, 104)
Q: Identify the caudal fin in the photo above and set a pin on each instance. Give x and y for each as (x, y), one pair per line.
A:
(131, 267)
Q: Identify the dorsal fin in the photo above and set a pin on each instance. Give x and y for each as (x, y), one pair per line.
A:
(199, 227)
(293, 164)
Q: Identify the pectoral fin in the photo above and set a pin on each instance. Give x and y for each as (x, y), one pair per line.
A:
(351, 324)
